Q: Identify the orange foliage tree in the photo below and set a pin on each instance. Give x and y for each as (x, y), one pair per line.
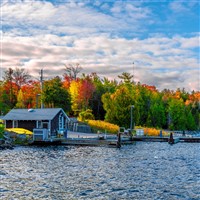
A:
(31, 91)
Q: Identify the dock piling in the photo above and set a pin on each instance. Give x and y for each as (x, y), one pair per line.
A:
(171, 139)
(119, 140)
(160, 133)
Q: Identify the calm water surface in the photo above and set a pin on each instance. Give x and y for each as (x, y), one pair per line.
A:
(140, 171)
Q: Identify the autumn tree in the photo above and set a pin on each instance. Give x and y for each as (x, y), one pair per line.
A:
(72, 70)
(85, 92)
(81, 91)
(9, 93)
(19, 76)
(9, 88)
(67, 81)
(31, 92)
(20, 100)
(73, 90)
(8, 75)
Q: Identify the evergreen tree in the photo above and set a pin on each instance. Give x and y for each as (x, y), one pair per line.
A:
(177, 112)
(118, 106)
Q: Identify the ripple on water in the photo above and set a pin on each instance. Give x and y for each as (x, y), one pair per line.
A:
(141, 171)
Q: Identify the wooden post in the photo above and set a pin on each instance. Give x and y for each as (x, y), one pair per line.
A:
(119, 140)
(183, 133)
(160, 133)
(131, 135)
(171, 139)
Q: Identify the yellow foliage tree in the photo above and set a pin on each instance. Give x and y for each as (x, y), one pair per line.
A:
(74, 92)
(20, 100)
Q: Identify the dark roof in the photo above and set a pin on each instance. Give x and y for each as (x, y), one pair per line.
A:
(33, 114)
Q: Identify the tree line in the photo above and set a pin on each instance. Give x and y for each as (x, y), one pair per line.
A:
(103, 99)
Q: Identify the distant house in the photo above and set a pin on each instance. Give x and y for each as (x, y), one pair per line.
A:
(51, 119)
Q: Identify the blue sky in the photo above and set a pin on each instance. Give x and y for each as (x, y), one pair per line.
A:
(106, 37)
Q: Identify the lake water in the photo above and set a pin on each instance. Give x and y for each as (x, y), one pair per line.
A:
(140, 171)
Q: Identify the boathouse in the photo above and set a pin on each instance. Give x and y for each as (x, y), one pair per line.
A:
(50, 119)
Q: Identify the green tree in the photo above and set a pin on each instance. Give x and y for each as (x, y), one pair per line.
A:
(54, 95)
(190, 122)
(176, 111)
(118, 106)
(126, 77)
(86, 115)
(95, 102)
(142, 97)
(156, 114)
(101, 87)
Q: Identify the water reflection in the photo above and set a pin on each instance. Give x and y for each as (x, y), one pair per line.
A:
(141, 171)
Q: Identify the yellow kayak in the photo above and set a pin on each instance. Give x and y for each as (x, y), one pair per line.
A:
(19, 131)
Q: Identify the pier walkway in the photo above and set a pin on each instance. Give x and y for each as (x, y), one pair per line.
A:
(108, 140)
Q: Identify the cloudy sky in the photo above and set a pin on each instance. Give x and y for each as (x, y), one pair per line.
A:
(160, 37)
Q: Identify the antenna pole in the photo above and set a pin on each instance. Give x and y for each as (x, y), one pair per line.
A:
(133, 73)
(41, 83)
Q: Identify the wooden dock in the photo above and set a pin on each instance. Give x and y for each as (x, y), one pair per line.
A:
(126, 141)
(78, 142)
(116, 141)
(150, 139)
(173, 140)
(90, 142)
(190, 139)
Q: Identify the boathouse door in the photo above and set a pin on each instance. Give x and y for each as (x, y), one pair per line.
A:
(41, 124)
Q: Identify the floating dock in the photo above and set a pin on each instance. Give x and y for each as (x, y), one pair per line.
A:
(90, 142)
(173, 140)
(116, 141)
(125, 140)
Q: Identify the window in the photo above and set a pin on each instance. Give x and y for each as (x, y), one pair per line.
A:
(61, 121)
(39, 124)
(15, 124)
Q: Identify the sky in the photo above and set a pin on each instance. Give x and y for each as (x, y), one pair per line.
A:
(157, 41)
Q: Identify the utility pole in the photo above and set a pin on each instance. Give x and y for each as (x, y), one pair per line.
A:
(41, 85)
(131, 123)
(133, 73)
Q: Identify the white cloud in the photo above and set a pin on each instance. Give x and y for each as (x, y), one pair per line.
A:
(178, 6)
(42, 35)
(190, 42)
(106, 56)
(27, 13)
(73, 18)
